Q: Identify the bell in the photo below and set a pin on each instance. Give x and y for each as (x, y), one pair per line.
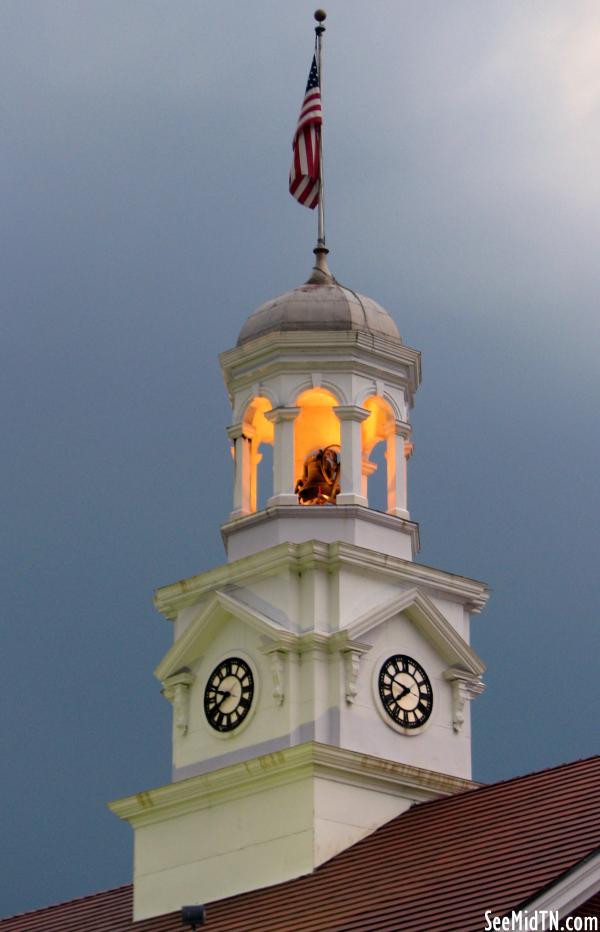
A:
(320, 482)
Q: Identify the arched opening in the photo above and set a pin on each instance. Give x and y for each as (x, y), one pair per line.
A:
(375, 487)
(317, 438)
(378, 463)
(256, 468)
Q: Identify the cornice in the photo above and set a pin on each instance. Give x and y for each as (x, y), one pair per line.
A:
(321, 342)
(379, 773)
(472, 593)
(366, 353)
(301, 513)
(286, 766)
(296, 558)
(171, 599)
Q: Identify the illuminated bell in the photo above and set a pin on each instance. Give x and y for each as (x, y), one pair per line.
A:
(320, 482)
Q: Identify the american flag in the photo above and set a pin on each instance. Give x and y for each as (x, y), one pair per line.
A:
(305, 173)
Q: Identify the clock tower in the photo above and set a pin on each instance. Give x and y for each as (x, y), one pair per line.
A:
(320, 678)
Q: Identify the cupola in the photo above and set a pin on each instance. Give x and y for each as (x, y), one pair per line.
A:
(322, 376)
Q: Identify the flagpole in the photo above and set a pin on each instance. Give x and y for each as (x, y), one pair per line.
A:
(320, 16)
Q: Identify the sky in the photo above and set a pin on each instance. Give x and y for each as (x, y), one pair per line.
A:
(145, 214)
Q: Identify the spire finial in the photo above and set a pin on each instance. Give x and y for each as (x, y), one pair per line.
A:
(321, 274)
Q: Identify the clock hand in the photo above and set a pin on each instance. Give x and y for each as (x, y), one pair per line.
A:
(225, 696)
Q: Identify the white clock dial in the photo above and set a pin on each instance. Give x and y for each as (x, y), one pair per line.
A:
(405, 691)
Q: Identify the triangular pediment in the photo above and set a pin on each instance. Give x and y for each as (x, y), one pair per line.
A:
(430, 621)
(218, 609)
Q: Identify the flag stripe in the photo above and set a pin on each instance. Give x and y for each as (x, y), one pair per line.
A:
(305, 173)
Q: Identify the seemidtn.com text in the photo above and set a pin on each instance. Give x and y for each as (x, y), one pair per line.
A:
(539, 920)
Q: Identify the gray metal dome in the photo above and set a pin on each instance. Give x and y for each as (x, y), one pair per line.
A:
(314, 306)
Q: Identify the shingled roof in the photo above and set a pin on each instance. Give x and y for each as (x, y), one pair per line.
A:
(436, 868)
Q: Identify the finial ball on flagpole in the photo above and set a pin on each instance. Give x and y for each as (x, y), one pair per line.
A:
(320, 15)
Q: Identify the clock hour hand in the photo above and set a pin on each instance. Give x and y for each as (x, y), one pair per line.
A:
(225, 695)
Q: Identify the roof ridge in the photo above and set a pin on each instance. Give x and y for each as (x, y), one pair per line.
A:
(359, 298)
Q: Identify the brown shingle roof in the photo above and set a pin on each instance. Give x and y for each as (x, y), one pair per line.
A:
(436, 868)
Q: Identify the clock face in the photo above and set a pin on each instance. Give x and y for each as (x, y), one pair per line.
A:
(405, 691)
(228, 694)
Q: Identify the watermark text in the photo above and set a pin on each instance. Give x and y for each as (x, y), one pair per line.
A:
(539, 920)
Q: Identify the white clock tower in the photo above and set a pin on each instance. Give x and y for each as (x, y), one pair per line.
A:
(319, 678)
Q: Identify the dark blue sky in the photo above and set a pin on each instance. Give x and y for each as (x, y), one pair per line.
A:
(145, 212)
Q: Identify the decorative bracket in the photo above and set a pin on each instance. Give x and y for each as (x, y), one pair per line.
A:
(176, 688)
(464, 686)
(277, 656)
(321, 644)
(351, 668)
(352, 652)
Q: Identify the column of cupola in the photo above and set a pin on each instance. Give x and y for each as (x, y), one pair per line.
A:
(397, 451)
(351, 418)
(284, 480)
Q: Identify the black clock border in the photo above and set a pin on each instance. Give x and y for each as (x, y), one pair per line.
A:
(228, 662)
(412, 726)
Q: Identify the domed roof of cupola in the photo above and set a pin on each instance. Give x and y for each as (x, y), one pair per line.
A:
(321, 303)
